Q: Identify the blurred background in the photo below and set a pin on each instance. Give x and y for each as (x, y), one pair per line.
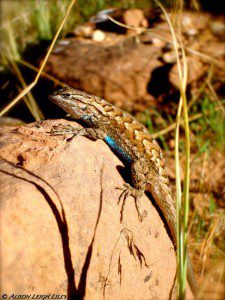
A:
(136, 70)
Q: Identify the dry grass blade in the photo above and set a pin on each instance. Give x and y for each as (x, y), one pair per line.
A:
(181, 210)
(29, 100)
(127, 26)
(207, 242)
(26, 100)
(30, 86)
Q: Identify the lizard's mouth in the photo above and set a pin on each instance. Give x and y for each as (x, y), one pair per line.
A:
(57, 99)
(52, 96)
(66, 104)
(56, 96)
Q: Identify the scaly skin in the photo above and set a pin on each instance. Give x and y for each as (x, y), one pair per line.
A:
(133, 142)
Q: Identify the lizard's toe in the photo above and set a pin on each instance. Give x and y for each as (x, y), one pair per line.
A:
(127, 191)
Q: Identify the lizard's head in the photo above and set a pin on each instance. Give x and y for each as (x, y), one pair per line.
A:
(74, 102)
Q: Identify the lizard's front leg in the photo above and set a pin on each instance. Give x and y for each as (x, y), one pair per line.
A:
(92, 133)
(138, 188)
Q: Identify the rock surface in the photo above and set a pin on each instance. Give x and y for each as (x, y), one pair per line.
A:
(60, 222)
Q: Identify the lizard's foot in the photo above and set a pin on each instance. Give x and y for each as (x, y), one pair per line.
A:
(92, 133)
(65, 129)
(127, 191)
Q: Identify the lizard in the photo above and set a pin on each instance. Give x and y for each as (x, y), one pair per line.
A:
(134, 143)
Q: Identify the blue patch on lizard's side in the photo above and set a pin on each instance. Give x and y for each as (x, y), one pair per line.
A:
(112, 144)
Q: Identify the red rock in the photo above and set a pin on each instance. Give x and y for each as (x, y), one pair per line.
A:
(60, 222)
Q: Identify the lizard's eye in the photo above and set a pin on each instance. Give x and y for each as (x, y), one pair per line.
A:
(65, 96)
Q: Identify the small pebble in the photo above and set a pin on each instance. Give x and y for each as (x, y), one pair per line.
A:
(169, 57)
(192, 32)
(98, 36)
(63, 42)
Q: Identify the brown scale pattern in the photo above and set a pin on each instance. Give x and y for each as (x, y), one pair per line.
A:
(128, 129)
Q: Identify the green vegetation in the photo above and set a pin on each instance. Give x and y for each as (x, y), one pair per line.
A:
(37, 21)
(208, 130)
